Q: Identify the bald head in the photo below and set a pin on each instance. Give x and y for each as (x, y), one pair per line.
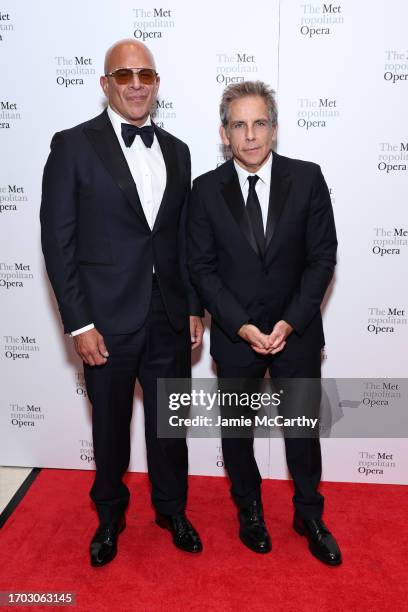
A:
(134, 98)
(123, 51)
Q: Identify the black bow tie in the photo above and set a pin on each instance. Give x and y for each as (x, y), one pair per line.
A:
(129, 133)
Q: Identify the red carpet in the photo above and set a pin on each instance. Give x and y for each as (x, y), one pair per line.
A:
(44, 547)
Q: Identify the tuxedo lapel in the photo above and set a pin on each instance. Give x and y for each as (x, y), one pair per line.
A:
(169, 155)
(280, 186)
(232, 195)
(103, 139)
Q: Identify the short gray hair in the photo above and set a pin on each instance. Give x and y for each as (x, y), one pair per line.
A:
(248, 88)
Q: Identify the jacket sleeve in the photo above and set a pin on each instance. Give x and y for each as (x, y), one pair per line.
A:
(320, 249)
(229, 314)
(194, 304)
(58, 216)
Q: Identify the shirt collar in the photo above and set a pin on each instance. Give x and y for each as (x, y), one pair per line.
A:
(264, 172)
(117, 121)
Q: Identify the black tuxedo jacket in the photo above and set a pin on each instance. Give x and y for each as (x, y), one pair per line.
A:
(98, 247)
(236, 284)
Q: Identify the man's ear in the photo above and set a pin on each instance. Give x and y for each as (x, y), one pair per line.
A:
(157, 85)
(224, 136)
(104, 84)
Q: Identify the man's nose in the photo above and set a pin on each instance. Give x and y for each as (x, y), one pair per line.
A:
(135, 82)
(250, 133)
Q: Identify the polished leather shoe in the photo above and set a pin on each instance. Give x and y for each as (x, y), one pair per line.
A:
(321, 542)
(103, 546)
(253, 532)
(184, 535)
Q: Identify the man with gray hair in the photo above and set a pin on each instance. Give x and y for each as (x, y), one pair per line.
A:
(262, 251)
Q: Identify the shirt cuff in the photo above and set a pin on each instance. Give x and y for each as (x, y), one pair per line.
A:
(76, 332)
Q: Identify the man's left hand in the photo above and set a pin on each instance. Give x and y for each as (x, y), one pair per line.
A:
(196, 331)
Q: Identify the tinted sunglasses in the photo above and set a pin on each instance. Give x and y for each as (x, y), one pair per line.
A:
(123, 76)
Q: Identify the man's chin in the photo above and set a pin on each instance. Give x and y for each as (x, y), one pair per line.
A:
(138, 116)
(252, 164)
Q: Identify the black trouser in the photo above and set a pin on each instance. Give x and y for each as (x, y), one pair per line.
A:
(303, 454)
(155, 351)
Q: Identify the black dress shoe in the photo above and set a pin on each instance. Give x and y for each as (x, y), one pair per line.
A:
(103, 546)
(321, 542)
(184, 535)
(253, 532)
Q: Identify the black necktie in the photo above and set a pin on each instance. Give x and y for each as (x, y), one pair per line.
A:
(255, 214)
(129, 133)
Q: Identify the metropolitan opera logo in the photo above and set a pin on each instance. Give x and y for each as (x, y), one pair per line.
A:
(316, 113)
(219, 459)
(16, 348)
(73, 71)
(389, 241)
(164, 113)
(10, 197)
(80, 388)
(377, 393)
(86, 452)
(6, 26)
(392, 157)
(385, 320)
(235, 67)
(14, 275)
(9, 113)
(152, 22)
(318, 20)
(375, 464)
(26, 416)
(396, 66)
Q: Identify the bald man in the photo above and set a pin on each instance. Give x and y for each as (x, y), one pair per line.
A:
(113, 213)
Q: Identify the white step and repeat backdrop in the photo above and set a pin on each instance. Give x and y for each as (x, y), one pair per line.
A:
(341, 75)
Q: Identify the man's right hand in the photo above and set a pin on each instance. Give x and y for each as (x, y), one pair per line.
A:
(91, 348)
(251, 334)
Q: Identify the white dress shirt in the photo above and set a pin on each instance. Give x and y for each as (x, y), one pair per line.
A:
(148, 170)
(146, 166)
(262, 186)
